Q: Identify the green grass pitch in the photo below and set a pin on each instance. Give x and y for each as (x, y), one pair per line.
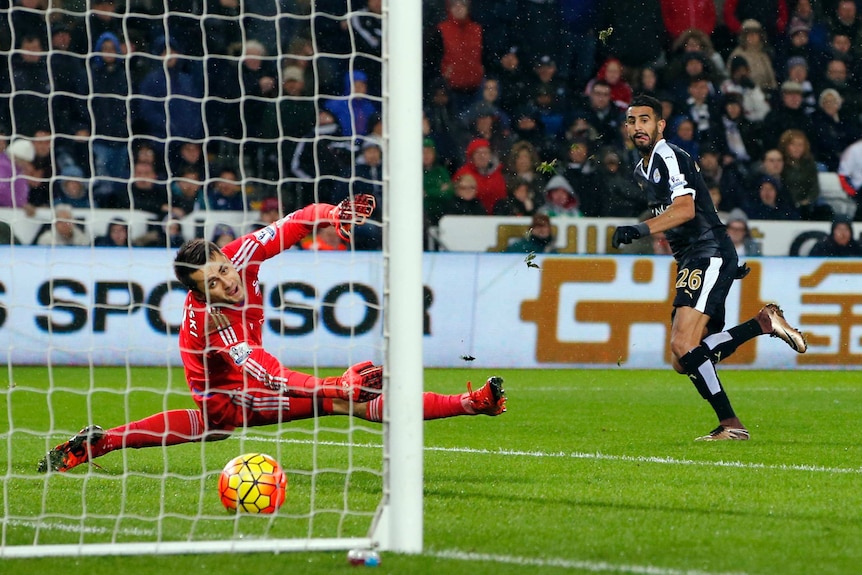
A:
(588, 472)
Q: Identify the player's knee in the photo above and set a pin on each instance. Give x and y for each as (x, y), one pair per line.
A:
(678, 347)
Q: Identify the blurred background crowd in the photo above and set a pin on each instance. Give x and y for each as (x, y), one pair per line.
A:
(173, 107)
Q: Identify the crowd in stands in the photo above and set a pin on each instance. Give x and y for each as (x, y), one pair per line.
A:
(224, 105)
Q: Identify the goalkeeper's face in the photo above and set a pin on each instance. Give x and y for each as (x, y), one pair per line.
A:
(219, 282)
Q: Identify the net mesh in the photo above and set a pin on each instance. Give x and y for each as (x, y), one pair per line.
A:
(144, 124)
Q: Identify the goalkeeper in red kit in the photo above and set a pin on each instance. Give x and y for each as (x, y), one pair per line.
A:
(233, 380)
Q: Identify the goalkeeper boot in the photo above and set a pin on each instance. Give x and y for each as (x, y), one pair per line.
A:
(722, 433)
(490, 399)
(74, 452)
(771, 320)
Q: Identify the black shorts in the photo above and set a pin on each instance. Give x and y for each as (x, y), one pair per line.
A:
(703, 284)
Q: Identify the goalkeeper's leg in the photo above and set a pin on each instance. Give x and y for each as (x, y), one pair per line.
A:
(162, 429)
(490, 399)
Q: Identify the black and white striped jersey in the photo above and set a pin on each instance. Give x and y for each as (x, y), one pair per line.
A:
(671, 172)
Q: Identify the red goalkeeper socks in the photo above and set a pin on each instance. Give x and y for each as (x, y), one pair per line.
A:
(434, 406)
(437, 406)
(166, 428)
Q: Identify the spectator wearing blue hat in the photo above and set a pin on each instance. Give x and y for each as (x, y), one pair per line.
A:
(354, 108)
(172, 84)
(110, 121)
(223, 234)
(71, 188)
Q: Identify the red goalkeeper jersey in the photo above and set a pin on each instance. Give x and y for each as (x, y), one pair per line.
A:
(221, 345)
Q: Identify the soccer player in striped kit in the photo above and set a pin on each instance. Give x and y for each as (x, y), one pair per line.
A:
(707, 265)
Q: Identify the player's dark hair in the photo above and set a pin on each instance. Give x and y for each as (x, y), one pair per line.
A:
(649, 102)
(191, 257)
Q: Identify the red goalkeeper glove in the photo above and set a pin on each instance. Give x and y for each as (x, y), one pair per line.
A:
(363, 381)
(349, 213)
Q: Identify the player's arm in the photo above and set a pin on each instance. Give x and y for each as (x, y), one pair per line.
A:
(361, 382)
(678, 213)
(291, 229)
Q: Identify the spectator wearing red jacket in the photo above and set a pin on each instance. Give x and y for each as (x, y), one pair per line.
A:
(611, 72)
(487, 171)
(461, 61)
(682, 15)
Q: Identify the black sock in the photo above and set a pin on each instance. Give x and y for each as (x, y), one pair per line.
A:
(723, 344)
(699, 367)
(721, 406)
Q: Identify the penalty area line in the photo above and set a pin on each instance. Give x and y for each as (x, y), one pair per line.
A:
(591, 566)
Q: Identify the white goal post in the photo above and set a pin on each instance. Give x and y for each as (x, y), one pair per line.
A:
(404, 439)
(390, 519)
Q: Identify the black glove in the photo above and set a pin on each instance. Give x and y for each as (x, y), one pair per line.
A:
(628, 234)
(742, 271)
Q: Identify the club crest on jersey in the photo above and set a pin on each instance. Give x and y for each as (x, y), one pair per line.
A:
(656, 176)
(265, 235)
(240, 352)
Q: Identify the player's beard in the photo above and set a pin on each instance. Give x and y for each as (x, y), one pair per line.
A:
(645, 148)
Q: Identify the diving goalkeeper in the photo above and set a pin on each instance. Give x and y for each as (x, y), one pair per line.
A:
(233, 380)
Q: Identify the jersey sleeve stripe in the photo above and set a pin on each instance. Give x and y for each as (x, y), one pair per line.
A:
(261, 404)
(270, 403)
(242, 400)
(244, 253)
(682, 192)
(255, 370)
(679, 185)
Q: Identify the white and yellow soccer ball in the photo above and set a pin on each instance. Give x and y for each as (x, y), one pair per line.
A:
(252, 483)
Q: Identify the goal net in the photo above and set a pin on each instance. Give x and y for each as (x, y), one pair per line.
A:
(233, 111)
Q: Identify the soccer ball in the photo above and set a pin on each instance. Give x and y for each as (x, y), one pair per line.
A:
(252, 483)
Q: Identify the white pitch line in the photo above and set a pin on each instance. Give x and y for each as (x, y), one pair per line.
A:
(592, 566)
(79, 528)
(739, 388)
(579, 455)
(655, 459)
(597, 456)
